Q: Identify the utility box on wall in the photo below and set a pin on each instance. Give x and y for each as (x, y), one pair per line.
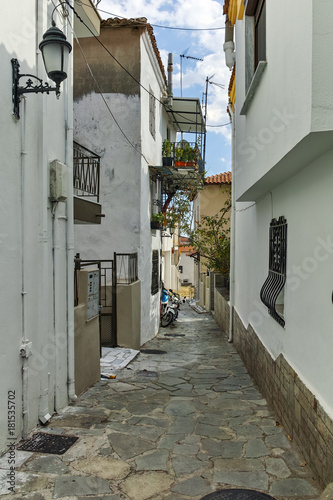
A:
(58, 181)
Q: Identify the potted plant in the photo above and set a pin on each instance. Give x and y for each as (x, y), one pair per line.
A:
(166, 153)
(179, 157)
(156, 220)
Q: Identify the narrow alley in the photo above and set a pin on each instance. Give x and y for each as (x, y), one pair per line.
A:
(179, 422)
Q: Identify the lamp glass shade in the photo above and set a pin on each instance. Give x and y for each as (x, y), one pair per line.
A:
(55, 50)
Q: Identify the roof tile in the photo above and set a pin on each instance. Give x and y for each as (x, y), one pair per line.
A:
(224, 178)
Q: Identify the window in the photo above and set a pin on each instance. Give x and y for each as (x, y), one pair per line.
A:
(154, 275)
(180, 269)
(152, 112)
(260, 33)
(255, 36)
(272, 293)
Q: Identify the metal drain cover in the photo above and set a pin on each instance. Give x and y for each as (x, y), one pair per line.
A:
(153, 351)
(237, 494)
(48, 443)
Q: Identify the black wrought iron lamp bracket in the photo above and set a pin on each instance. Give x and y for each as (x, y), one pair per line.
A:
(29, 88)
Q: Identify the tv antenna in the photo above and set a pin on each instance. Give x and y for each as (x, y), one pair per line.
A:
(182, 56)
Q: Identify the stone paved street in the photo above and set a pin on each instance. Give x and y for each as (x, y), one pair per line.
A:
(173, 425)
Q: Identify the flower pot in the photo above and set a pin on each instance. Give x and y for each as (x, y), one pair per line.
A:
(167, 161)
(155, 224)
(180, 164)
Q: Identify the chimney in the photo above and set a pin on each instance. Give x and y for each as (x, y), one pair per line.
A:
(170, 70)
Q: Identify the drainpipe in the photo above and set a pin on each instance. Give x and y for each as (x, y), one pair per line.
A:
(25, 348)
(233, 232)
(43, 404)
(70, 239)
(170, 70)
(229, 45)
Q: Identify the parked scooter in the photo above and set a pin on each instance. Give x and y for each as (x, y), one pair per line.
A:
(169, 307)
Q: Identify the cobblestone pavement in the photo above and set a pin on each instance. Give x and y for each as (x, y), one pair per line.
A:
(176, 424)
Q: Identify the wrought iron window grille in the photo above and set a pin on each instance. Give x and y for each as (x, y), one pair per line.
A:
(127, 268)
(155, 273)
(277, 271)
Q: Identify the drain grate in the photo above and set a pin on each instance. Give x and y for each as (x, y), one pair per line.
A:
(153, 351)
(237, 494)
(48, 443)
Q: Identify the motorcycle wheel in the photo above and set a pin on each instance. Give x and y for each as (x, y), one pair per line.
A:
(166, 319)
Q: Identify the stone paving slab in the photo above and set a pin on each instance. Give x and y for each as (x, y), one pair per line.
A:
(174, 426)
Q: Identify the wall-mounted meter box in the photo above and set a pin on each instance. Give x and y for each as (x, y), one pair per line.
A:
(93, 294)
(58, 181)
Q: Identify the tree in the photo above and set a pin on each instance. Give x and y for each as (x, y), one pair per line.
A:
(211, 239)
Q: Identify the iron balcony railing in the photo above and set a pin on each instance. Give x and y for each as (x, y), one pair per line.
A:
(127, 268)
(182, 154)
(86, 175)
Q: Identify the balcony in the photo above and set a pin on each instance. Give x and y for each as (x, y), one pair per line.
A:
(86, 183)
(182, 166)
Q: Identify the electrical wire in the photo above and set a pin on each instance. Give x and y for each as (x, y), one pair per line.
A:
(156, 25)
(216, 126)
(188, 121)
(105, 102)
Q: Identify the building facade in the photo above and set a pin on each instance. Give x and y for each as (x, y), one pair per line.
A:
(36, 265)
(281, 106)
(118, 113)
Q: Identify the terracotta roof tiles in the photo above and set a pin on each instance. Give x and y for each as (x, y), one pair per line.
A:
(224, 178)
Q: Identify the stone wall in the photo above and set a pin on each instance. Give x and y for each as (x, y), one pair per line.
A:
(221, 308)
(296, 408)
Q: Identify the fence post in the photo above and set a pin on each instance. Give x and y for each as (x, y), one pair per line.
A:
(114, 297)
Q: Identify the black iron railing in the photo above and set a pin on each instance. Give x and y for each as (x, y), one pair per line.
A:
(277, 272)
(86, 172)
(127, 268)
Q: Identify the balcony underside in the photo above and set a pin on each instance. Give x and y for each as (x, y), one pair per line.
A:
(177, 179)
(87, 211)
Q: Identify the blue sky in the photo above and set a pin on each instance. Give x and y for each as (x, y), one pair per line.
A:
(204, 43)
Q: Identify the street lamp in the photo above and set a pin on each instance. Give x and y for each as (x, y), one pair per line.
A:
(55, 50)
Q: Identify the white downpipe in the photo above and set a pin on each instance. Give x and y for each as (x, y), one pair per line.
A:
(70, 240)
(233, 232)
(229, 45)
(43, 406)
(25, 359)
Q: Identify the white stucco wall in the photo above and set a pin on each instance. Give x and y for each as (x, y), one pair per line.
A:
(125, 178)
(28, 230)
(294, 96)
(305, 341)
(188, 268)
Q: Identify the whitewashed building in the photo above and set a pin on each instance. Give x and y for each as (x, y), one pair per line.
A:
(36, 221)
(281, 103)
(123, 109)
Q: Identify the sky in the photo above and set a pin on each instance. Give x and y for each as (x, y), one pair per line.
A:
(204, 43)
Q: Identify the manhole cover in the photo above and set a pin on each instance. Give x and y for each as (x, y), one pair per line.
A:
(48, 443)
(236, 494)
(147, 373)
(152, 351)
(174, 334)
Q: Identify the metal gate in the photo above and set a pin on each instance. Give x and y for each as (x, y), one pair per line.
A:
(107, 297)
